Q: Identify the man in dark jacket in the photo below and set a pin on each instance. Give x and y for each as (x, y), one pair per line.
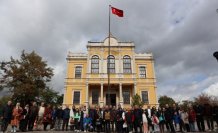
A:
(66, 117)
(33, 113)
(58, 118)
(138, 119)
(6, 115)
(119, 119)
(93, 116)
(168, 114)
(215, 113)
(199, 109)
(208, 113)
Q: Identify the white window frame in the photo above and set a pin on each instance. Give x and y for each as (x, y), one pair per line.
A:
(95, 63)
(145, 71)
(75, 71)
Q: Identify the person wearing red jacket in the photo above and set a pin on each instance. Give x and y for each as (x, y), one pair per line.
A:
(192, 119)
(47, 117)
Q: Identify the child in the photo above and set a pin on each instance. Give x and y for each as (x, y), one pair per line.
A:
(145, 122)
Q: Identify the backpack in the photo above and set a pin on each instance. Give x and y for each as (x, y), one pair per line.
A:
(107, 115)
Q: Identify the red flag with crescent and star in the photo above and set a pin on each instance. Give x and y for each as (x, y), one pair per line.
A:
(117, 12)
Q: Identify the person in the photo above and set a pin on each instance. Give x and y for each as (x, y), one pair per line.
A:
(112, 118)
(24, 118)
(16, 115)
(40, 113)
(66, 117)
(77, 116)
(53, 117)
(33, 113)
(6, 115)
(119, 119)
(160, 115)
(82, 112)
(155, 122)
(99, 120)
(176, 119)
(208, 113)
(47, 118)
(192, 119)
(71, 122)
(106, 118)
(168, 114)
(93, 114)
(183, 120)
(149, 114)
(138, 119)
(199, 110)
(129, 119)
(125, 129)
(215, 113)
(58, 118)
(87, 123)
(145, 122)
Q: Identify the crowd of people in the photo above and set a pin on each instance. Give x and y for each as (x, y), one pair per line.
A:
(108, 118)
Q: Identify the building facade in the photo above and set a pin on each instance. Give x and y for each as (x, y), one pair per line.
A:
(130, 73)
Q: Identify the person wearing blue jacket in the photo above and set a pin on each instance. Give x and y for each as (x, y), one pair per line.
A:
(87, 123)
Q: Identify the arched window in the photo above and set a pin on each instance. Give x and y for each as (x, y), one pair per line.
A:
(111, 63)
(95, 64)
(126, 64)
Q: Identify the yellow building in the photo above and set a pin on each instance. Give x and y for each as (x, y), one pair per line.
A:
(130, 73)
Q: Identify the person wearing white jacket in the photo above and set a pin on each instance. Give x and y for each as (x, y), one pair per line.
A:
(71, 120)
(145, 123)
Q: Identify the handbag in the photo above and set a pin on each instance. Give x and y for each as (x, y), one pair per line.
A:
(71, 121)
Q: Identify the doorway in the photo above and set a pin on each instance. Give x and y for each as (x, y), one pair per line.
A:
(111, 100)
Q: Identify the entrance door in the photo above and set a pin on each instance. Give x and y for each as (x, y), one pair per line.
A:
(111, 100)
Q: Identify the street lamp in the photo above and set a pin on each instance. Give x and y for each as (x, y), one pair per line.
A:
(215, 54)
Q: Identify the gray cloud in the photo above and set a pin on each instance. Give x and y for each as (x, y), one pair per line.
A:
(181, 34)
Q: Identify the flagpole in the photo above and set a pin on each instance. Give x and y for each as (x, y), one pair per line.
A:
(108, 70)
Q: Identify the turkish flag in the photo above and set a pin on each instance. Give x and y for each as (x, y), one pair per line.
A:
(117, 12)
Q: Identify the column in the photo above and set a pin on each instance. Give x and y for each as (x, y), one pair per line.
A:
(87, 96)
(121, 95)
(102, 97)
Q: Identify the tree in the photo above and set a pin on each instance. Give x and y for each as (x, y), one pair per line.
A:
(136, 100)
(51, 97)
(163, 100)
(26, 77)
(4, 100)
(205, 99)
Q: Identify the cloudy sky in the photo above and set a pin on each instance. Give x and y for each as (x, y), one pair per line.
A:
(182, 35)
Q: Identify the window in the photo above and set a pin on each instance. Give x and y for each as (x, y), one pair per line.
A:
(145, 96)
(126, 97)
(111, 64)
(78, 72)
(95, 97)
(95, 64)
(142, 72)
(126, 64)
(76, 97)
